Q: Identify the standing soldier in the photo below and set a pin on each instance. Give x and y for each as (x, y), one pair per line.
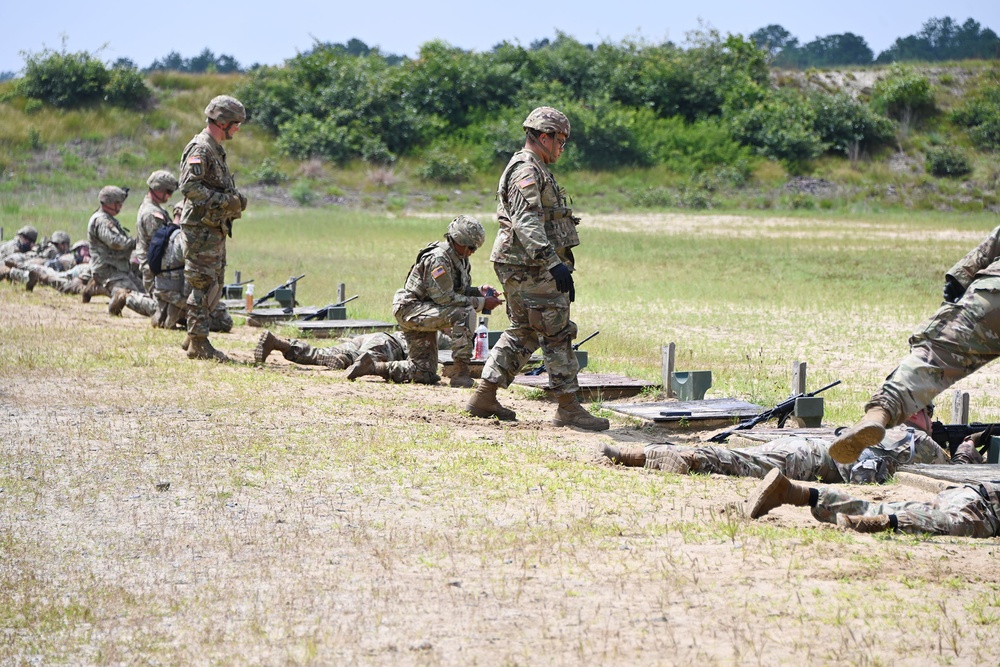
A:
(110, 255)
(211, 204)
(152, 216)
(438, 295)
(533, 258)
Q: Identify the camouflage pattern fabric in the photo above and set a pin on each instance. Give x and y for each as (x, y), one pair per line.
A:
(211, 203)
(381, 346)
(12, 247)
(537, 232)
(151, 216)
(110, 245)
(960, 339)
(798, 458)
(438, 295)
(967, 511)
(171, 291)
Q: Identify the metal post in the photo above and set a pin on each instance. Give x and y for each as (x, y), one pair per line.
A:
(668, 353)
(342, 293)
(237, 275)
(960, 407)
(798, 378)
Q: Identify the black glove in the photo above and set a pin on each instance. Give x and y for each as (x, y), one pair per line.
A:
(953, 289)
(564, 279)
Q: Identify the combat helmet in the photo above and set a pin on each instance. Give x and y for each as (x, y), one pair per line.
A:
(162, 180)
(112, 194)
(225, 109)
(60, 237)
(466, 230)
(28, 232)
(548, 121)
(80, 244)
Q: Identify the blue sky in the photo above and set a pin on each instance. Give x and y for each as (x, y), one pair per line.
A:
(270, 32)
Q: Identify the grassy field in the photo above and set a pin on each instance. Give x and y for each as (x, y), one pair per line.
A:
(159, 511)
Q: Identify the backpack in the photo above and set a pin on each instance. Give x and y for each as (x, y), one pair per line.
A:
(158, 248)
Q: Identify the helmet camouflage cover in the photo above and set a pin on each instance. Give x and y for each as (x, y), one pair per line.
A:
(466, 230)
(28, 232)
(226, 109)
(60, 237)
(112, 194)
(547, 120)
(161, 179)
(80, 244)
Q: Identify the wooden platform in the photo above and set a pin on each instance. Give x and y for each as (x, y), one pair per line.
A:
(261, 317)
(338, 328)
(593, 386)
(956, 475)
(444, 358)
(714, 411)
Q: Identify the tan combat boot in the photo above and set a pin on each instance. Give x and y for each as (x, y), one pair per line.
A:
(776, 490)
(89, 291)
(32, 280)
(366, 365)
(460, 376)
(669, 458)
(866, 433)
(4, 272)
(484, 403)
(118, 301)
(338, 362)
(266, 344)
(630, 457)
(200, 348)
(571, 413)
(865, 524)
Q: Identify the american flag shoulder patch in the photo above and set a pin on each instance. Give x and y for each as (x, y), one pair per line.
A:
(525, 182)
(438, 271)
(194, 159)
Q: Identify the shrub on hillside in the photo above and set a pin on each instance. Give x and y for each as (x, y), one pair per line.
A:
(779, 127)
(980, 116)
(71, 80)
(948, 161)
(442, 167)
(846, 125)
(903, 94)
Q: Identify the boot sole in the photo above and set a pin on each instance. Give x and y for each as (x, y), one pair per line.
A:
(763, 494)
(602, 427)
(489, 414)
(848, 447)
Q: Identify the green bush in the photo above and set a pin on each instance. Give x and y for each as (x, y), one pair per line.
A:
(442, 167)
(72, 80)
(948, 161)
(126, 89)
(904, 94)
(268, 173)
(846, 125)
(779, 127)
(302, 193)
(980, 115)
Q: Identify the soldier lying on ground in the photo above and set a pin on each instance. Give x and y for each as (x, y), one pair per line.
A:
(382, 347)
(61, 273)
(966, 511)
(438, 295)
(800, 457)
(962, 337)
(23, 242)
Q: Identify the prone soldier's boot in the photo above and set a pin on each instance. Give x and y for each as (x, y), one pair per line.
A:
(460, 376)
(865, 524)
(200, 348)
(669, 458)
(266, 344)
(187, 343)
(89, 291)
(866, 433)
(571, 413)
(118, 301)
(484, 403)
(776, 490)
(4, 272)
(32, 280)
(366, 365)
(631, 457)
(338, 362)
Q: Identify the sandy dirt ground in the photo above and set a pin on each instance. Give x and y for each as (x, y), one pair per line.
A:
(159, 511)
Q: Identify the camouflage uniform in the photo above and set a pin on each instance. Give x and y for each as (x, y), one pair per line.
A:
(798, 458)
(438, 295)
(381, 346)
(957, 341)
(207, 215)
(16, 245)
(151, 216)
(171, 291)
(537, 232)
(111, 261)
(70, 281)
(967, 511)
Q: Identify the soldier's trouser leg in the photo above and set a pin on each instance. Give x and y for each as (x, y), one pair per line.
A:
(147, 278)
(204, 258)
(539, 313)
(381, 346)
(140, 303)
(421, 364)
(420, 323)
(960, 339)
(307, 355)
(219, 319)
(962, 511)
(800, 459)
(18, 275)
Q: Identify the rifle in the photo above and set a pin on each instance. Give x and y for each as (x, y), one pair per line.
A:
(781, 412)
(541, 369)
(325, 310)
(950, 436)
(286, 285)
(241, 283)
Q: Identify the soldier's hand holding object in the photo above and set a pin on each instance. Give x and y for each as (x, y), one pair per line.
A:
(563, 277)
(953, 289)
(235, 205)
(243, 201)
